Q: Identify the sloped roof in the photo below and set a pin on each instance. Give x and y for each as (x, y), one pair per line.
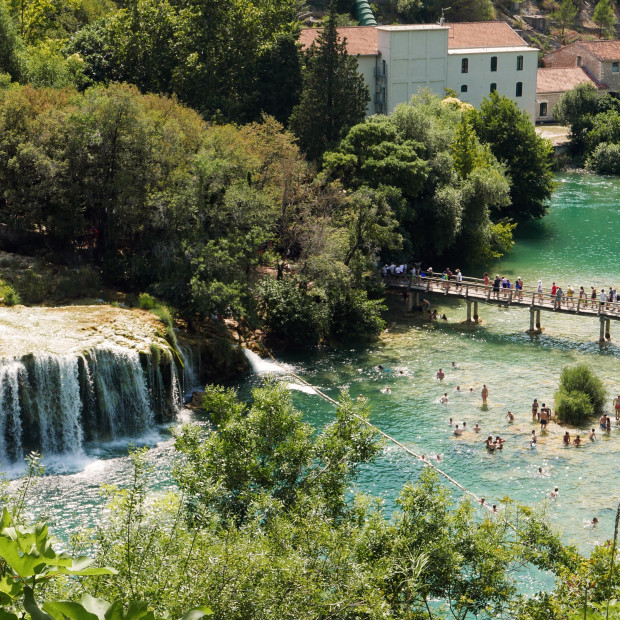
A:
(469, 35)
(560, 80)
(361, 40)
(603, 50)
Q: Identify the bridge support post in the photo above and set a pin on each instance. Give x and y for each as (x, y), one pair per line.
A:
(532, 319)
(416, 300)
(476, 318)
(608, 329)
(602, 332)
(538, 319)
(409, 300)
(468, 311)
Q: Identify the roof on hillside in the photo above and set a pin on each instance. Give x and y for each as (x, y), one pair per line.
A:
(483, 34)
(560, 80)
(361, 40)
(603, 50)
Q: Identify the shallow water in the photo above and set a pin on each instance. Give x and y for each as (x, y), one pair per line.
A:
(575, 244)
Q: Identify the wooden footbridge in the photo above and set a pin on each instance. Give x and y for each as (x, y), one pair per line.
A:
(474, 290)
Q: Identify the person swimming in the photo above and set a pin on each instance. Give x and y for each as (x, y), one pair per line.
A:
(477, 428)
(458, 431)
(444, 399)
(510, 416)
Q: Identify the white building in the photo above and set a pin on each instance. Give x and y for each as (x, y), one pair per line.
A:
(470, 58)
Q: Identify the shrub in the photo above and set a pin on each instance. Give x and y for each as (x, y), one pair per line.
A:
(34, 287)
(605, 159)
(146, 301)
(581, 394)
(11, 298)
(573, 407)
(81, 282)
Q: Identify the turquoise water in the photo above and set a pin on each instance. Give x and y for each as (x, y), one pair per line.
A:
(575, 244)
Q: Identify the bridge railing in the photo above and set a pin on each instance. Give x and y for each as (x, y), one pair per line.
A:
(476, 288)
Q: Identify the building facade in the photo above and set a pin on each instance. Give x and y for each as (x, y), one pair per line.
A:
(472, 59)
(552, 83)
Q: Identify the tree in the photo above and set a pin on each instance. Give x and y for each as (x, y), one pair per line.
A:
(605, 17)
(528, 158)
(577, 108)
(565, 15)
(334, 95)
(581, 394)
(11, 44)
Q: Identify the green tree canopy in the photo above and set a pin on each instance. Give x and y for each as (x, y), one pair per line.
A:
(511, 136)
(605, 18)
(334, 95)
(565, 15)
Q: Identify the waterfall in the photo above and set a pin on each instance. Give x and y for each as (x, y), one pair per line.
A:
(261, 366)
(54, 403)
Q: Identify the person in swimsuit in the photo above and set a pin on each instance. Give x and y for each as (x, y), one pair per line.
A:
(499, 442)
(566, 438)
(555, 493)
(545, 414)
(485, 394)
(535, 409)
(477, 428)
(577, 441)
(592, 435)
(510, 417)
(617, 406)
(603, 422)
(440, 374)
(489, 443)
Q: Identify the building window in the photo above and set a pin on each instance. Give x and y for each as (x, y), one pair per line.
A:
(493, 87)
(519, 89)
(519, 63)
(464, 65)
(614, 67)
(579, 61)
(493, 63)
(542, 111)
(464, 88)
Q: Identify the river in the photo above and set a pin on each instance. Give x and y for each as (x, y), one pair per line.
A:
(574, 244)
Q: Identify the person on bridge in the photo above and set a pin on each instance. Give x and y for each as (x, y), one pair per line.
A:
(487, 281)
(540, 291)
(558, 297)
(496, 284)
(554, 290)
(570, 293)
(582, 296)
(519, 288)
(459, 278)
(593, 296)
(603, 298)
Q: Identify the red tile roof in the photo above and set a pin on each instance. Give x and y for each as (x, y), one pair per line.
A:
(603, 50)
(482, 34)
(361, 40)
(560, 80)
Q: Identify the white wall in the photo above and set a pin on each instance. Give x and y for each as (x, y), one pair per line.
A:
(416, 57)
(480, 77)
(366, 68)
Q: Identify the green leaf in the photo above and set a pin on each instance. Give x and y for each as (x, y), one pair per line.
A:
(196, 613)
(61, 610)
(7, 615)
(32, 608)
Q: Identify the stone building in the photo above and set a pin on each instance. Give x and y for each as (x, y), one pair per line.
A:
(551, 83)
(600, 59)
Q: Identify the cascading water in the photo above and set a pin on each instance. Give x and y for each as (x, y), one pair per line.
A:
(261, 366)
(53, 403)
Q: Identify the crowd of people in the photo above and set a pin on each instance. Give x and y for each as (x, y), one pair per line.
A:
(502, 286)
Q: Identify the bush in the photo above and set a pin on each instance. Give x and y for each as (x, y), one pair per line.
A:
(11, 298)
(573, 407)
(146, 301)
(581, 394)
(82, 282)
(605, 159)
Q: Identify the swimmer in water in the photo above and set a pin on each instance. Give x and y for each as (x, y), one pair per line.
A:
(444, 399)
(440, 375)
(510, 416)
(577, 441)
(592, 435)
(555, 493)
(540, 471)
(477, 428)
(533, 438)
(450, 422)
(458, 431)
(386, 390)
(566, 438)
(484, 394)
(594, 522)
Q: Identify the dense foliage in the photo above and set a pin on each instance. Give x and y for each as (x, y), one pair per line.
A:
(263, 524)
(581, 395)
(595, 127)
